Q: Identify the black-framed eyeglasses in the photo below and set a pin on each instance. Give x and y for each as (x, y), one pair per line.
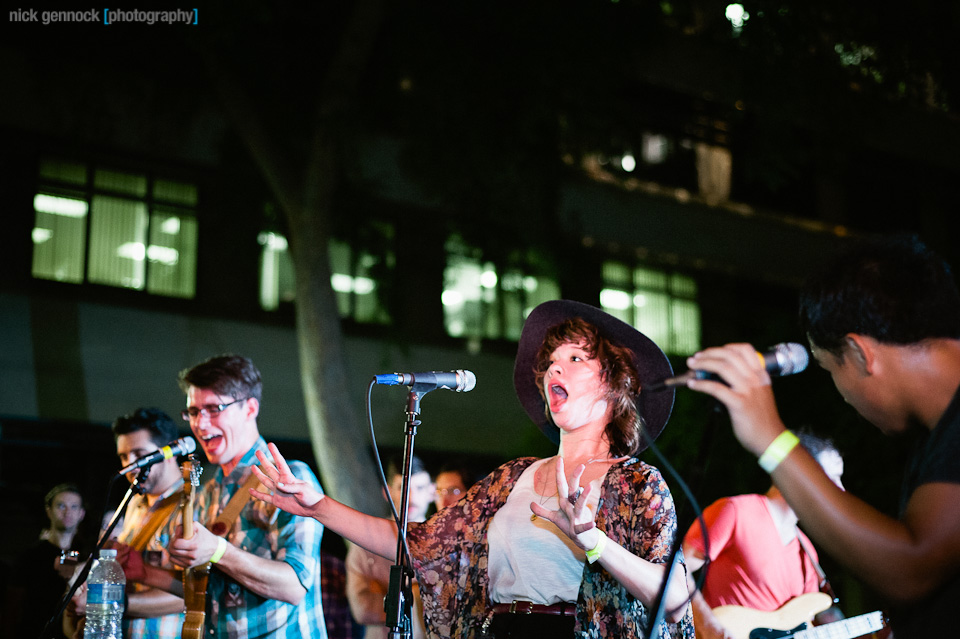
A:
(210, 410)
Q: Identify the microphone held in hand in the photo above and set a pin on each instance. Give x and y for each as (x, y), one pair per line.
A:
(783, 359)
(460, 381)
(182, 446)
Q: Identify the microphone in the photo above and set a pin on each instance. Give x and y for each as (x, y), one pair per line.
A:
(182, 446)
(460, 381)
(786, 358)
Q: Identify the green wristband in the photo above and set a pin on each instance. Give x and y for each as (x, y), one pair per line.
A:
(594, 553)
(778, 450)
(218, 553)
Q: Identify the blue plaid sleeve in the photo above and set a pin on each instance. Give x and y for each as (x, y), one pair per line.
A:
(299, 537)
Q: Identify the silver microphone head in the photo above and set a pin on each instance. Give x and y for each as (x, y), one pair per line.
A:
(466, 380)
(187, 445)
(791, 358)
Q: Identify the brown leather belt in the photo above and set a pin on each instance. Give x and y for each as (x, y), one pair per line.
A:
(562, 609)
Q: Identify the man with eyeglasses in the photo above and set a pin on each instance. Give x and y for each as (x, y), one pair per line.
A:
(265, 576)
(453, 480)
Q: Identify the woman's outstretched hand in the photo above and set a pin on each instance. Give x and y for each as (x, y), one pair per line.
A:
(288, 493)
(573, 518)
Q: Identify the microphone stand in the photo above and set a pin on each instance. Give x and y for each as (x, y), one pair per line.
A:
(81, 577)
(660, 609)
(399, 599)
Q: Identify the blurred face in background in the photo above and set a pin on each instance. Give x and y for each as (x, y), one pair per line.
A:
(66, 511)
(421, 494)
(450, 489)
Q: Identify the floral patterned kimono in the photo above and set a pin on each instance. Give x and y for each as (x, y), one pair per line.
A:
(450, 554)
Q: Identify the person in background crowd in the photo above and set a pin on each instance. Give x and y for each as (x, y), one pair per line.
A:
(40, 580)
(368, 575)
(759, 559)
(453, 480)
(333, 581)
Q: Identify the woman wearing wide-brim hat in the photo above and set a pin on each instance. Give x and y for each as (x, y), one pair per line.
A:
(571, 545)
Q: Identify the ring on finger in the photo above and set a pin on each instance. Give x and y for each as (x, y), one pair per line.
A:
(575, 496)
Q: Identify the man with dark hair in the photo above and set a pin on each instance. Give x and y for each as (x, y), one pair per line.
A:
(759, 559)
(884, 321)
(452, 481)
(265, 577)
(150, 520)
(149, 524)
(368, 575)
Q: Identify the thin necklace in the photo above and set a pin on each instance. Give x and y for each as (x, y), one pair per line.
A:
(543, 498)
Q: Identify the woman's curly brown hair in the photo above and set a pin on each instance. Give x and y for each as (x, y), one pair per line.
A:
(617, 373)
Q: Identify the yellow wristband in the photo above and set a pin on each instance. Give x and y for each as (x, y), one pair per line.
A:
(594, 553)
(218, 553)
(778, 450)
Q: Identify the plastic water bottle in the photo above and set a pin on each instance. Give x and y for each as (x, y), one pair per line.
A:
(105, 595)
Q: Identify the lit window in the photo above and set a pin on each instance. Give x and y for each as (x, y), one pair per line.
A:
(656, 148)
(356, 276)
(276, 271)
(483, 302)
(114, 228)
(59, 237)
(356, 279)
(661, 305)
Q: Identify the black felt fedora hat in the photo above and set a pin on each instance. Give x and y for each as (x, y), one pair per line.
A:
(651, 364)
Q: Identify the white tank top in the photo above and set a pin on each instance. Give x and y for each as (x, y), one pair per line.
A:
(533, 560)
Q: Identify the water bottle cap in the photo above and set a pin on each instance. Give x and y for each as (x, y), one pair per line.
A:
(108, 553)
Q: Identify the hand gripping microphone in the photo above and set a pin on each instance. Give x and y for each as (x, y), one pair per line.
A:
(460, 381)
(182, 446)
(786, 358)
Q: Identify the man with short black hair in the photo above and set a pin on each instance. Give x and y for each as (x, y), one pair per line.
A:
(150, 520)
(149, 523)
(453, 480)
(884, 320)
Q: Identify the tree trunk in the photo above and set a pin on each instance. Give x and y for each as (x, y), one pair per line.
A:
(339, 439)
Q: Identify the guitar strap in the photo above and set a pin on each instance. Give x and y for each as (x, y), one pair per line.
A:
(224, 521)
(156, 519)
(195, 586)
(824, 582)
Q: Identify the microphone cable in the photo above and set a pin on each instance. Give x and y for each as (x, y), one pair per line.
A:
(660, 611)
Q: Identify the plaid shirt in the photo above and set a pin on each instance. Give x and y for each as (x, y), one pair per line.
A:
(138, 512)
(233, 612)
